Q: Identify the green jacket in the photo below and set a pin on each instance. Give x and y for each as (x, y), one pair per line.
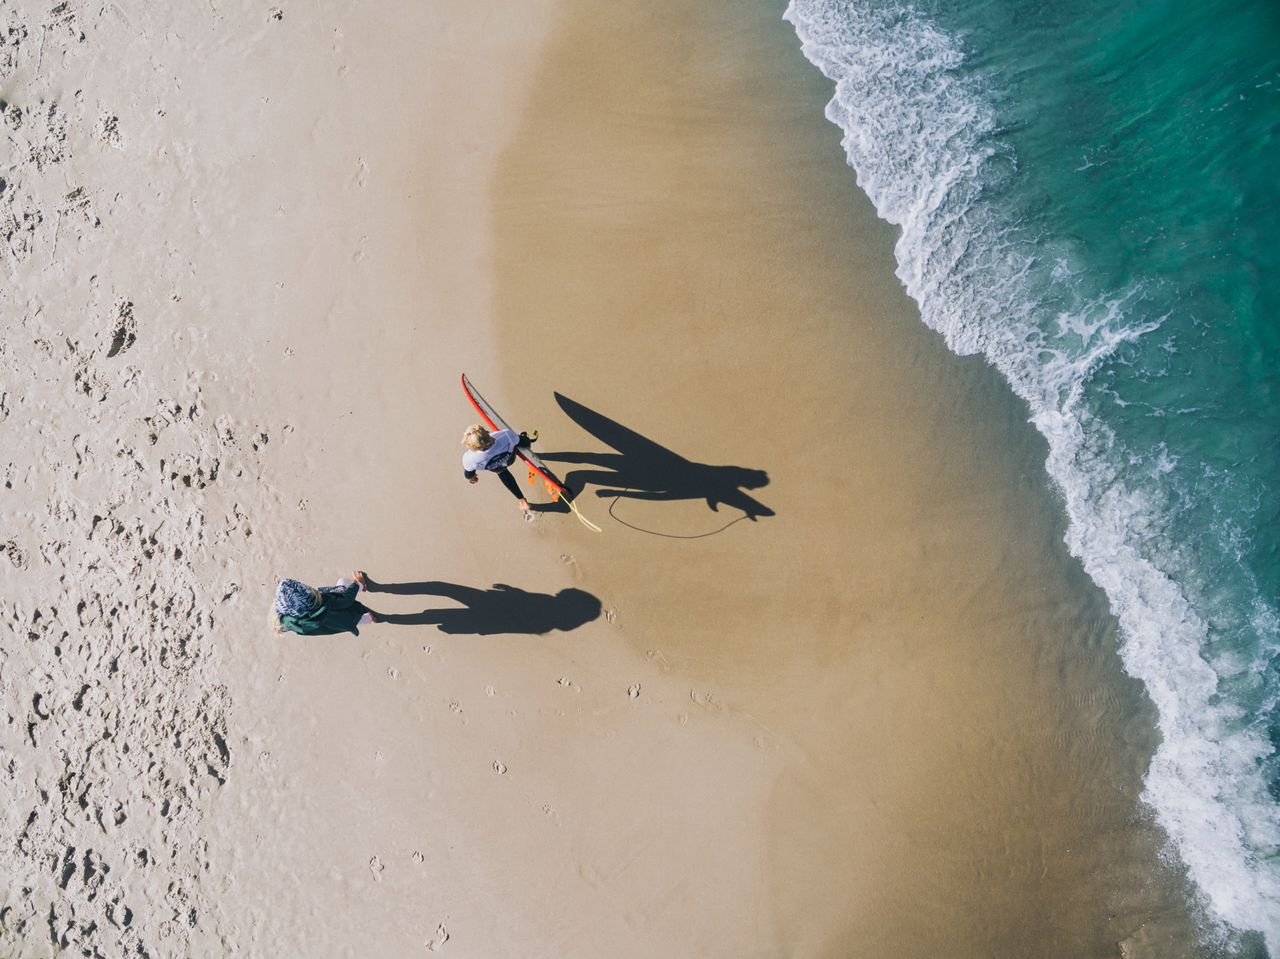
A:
(338, 612)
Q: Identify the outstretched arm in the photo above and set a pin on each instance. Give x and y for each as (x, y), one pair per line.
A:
(650, 494)
(609, 460)
(453, 591)
(740, 500)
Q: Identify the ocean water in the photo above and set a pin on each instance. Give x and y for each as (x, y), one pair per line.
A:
(1087, 195)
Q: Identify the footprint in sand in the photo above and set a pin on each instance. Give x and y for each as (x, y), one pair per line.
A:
(376, 867)
(499, 767)
(634, 691)
(489, 691)
(14, 553)
(436, 942)
(125, 331)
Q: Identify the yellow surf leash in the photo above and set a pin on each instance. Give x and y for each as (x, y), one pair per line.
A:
(557, 497)
(582, 519)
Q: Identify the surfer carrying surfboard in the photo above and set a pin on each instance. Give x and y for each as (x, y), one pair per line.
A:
(494, 452)
(487, 453)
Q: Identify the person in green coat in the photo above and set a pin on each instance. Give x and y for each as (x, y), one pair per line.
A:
(307, 611)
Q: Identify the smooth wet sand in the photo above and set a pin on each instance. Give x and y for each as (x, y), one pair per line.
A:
(887, 719)
(680, 244)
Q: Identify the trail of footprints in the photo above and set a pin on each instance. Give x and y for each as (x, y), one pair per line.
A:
(116, 501)
(119, 498)
(113, 733)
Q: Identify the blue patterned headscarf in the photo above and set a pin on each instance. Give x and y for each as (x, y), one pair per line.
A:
(295, 599)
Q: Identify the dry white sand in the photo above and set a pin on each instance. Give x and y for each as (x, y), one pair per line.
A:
(216, 243)
(247, 251)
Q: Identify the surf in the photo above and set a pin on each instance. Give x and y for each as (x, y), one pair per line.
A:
(1003, 264)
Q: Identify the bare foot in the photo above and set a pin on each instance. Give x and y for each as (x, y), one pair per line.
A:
(524, 506)
(361, 577)
(374, 617)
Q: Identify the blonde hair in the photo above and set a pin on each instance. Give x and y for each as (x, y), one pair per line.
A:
(477, 438)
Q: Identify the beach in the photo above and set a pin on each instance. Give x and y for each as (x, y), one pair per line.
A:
(828, 683)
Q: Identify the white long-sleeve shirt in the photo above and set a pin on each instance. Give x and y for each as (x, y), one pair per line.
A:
(496, 458)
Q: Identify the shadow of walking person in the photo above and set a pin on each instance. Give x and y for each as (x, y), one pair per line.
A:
(643, 469)
(487, 612)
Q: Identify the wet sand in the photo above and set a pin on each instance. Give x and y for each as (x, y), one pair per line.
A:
(682, 248)
(885, 715)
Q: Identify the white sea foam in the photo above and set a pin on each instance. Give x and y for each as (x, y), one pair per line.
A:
(923, 139)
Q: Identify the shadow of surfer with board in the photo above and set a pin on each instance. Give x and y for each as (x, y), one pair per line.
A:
(643, 469)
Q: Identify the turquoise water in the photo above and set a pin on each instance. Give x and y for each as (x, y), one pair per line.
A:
(1087, 195)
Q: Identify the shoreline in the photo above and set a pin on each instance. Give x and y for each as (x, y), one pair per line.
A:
(983, 289)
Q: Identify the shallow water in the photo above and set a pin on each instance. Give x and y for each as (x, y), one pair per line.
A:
(1084, 197)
